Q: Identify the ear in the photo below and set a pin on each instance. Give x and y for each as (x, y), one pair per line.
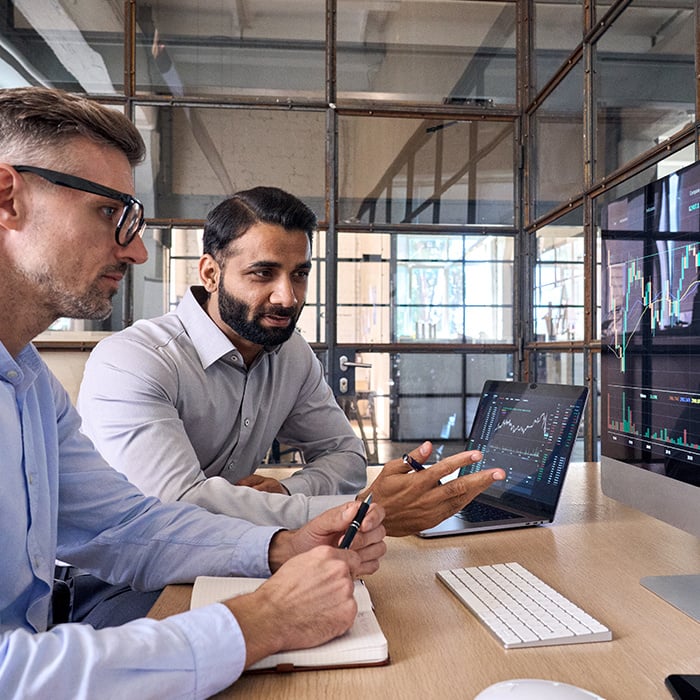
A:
(209, 273)
(11, 186)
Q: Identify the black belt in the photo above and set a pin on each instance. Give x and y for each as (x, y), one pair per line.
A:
(62, 594)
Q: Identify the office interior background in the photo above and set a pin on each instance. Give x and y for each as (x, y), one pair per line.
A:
(457, 153)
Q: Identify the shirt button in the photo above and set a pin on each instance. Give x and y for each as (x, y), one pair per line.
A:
(234, 358)
(12, 374)
(246, 422)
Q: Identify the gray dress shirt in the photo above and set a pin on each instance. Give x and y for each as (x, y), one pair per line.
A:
(170, 403)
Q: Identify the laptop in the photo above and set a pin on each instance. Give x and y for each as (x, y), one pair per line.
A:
(529, 430)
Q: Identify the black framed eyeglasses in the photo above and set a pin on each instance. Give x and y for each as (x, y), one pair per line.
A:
(131, 222)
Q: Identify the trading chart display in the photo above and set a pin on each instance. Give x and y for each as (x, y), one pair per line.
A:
(651, 327)
(529, 431)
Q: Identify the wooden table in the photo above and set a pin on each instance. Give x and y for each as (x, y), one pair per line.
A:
(595, 553)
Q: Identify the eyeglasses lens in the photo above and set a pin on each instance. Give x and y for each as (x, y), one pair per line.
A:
(131, 223)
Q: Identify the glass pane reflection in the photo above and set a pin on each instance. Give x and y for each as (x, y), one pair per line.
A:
(429, 171)
(440, 51)
(558, 148)
(77, 45)
(557, 30)
(257, 48)
(645, 80)
(438, 395)
(200, 155)
(558, 294)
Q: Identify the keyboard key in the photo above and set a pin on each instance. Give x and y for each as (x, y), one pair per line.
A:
(520, 609)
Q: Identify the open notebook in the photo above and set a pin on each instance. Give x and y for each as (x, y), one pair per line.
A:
(364, 644)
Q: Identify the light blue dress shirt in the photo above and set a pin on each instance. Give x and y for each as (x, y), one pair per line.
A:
(60, 499)
(170, 403)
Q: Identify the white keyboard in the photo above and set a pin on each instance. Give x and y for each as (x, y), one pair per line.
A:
(520, 609)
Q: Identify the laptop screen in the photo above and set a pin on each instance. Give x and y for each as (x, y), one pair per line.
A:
(529, 430)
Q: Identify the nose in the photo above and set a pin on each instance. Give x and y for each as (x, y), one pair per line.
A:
(283, 293)
(135, 253)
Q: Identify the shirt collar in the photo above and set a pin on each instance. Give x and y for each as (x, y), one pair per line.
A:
(22, 371)
(209, 341)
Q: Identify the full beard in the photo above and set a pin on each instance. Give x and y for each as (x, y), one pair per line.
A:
(237, 315)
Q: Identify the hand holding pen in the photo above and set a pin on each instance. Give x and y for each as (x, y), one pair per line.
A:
(356, 523)
(413, 463)
(328, 530)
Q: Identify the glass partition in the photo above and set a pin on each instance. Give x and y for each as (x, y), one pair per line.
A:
(438, 394)
(558, 144)
(436, 51)
(644, 80)
(557, 31)
(436, 141)
(197, 156)
(427, 171)
(454, 288)
(255, 48)
(76, 45)
(558, 303)
(449, 288)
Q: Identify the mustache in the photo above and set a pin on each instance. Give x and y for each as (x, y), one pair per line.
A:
(121, 268)
(283, 311)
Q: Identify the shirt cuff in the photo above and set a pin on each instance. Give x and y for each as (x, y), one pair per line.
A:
(217, 644)
(320, 504)
(253, 549)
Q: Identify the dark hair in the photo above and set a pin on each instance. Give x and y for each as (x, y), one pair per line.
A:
(34, 121)
(236, 214)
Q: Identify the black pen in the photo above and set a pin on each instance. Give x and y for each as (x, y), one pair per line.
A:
(415, 465)
(354, 526)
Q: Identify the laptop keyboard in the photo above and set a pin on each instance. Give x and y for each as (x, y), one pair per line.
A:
(475, 512)
(519, 609)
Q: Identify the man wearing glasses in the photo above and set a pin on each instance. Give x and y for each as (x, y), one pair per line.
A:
(129, 217)
(68, 233)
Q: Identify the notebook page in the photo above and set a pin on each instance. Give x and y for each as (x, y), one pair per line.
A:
(364, 642)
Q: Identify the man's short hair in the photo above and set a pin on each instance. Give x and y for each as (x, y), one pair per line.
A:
(35, 122)
(231, 218)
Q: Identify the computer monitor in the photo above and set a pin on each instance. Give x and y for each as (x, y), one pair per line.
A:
(650, 360)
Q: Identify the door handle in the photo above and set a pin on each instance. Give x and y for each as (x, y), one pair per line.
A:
(345, 363)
